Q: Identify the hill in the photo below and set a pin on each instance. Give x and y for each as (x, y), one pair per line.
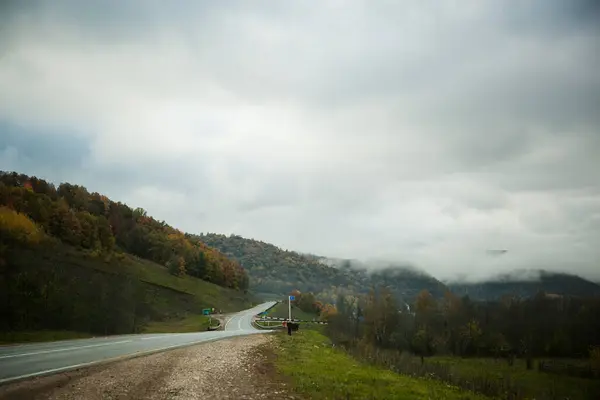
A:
(273, 270)
(513, 285)
(75, 261)
(405, 281)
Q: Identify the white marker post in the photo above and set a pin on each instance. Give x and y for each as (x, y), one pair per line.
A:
(290, 298)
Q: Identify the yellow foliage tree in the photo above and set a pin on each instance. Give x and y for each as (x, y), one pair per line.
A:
(17, 227)
(328, 311)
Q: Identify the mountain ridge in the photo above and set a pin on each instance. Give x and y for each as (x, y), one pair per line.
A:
(515, 284)
(281, 271)
(274, 270)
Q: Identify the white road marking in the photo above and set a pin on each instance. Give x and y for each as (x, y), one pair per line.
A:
(63, 349)
(196, 340)
(152, 337)
(228, 321)
(121, 357)
(169, 335)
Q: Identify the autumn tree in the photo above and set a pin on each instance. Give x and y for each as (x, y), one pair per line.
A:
(381, 317)
(18, 228)
(92, 221)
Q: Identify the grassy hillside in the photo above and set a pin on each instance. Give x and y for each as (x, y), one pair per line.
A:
(273, 270)
(32, 208)
(59, 288)
(74, 263)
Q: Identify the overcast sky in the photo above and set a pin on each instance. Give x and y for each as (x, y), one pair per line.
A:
(415, 131)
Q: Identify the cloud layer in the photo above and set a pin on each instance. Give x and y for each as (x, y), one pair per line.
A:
(420, 132)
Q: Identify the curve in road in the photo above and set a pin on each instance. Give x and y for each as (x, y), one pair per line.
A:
(29, 360)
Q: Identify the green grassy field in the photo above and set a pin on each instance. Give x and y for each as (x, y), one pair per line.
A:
(40, 336)
(207, 294)
(318, 371)
(533, 382)
(192, 323)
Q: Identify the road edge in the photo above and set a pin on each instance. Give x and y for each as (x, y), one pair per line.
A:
(76, 367)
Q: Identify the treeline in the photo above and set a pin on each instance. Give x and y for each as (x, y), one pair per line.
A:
(91, 221)
(274, 270)
(308, 303)
(542, 326)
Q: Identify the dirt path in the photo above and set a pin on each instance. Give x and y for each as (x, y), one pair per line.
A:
(227, 369)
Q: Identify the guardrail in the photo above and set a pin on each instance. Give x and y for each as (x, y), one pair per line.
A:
(269, 319)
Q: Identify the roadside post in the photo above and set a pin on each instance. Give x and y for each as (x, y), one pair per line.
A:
(290, 299)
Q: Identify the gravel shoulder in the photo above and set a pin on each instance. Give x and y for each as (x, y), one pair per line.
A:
(238, 368)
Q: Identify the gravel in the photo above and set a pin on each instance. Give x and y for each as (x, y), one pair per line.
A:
(236, 368)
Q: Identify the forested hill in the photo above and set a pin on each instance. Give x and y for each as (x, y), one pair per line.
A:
(510, 284)
(32, 207)
(273, 270)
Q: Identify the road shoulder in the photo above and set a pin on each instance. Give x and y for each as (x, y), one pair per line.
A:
(237, 368)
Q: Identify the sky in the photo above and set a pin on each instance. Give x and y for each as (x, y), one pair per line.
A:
(419, 132)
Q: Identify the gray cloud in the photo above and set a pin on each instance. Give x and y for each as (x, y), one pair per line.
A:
(425, 133)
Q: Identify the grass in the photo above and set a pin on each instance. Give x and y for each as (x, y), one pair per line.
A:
(40, 336)
(207, 294)
(318, 371)
(281, 311)
(82, 284)
(192, 323)
(532, 382)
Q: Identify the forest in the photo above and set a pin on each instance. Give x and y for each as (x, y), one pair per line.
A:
(78, 261)
(446, 333)
(92, 221)
(274, 270)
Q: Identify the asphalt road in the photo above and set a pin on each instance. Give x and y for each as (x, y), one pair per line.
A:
(28, 360)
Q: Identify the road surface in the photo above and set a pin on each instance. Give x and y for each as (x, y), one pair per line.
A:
(24, 361)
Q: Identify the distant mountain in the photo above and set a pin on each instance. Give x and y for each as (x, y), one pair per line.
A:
(539, 280)
(273, 270)
(405, 281)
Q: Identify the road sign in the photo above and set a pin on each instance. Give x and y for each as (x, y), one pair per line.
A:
(206, 311)
(291, 298)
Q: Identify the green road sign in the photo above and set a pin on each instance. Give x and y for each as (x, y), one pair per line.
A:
(206, 311)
